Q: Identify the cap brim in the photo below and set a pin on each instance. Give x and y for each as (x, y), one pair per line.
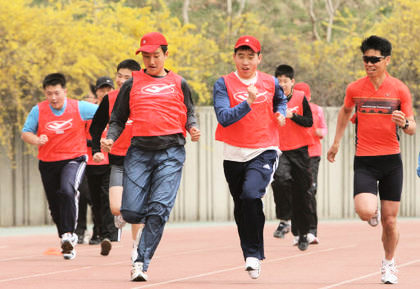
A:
(248, 45)
(147, 48)
(104, 84)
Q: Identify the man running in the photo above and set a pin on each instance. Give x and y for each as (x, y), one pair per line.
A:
(159, 103)
(383, 109)
(250, 106)
(116, 156)
(57, 127)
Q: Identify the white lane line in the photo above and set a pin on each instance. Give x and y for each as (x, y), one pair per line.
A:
(44, 274)
(366, 276)
(79, 249)
(241, 267)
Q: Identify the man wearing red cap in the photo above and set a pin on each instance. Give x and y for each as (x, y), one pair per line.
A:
(249, 106)
(159, 103)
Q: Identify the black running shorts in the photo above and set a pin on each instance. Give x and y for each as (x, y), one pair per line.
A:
(383, 173)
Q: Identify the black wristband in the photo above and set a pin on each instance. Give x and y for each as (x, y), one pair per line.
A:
(406, 124)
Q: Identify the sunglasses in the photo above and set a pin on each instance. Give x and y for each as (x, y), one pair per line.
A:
(372, 59)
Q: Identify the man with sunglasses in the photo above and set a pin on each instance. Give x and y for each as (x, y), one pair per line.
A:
(383, 109)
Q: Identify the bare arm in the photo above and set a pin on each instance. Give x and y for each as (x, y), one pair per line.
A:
(398, 117)
(33, 139)
(343, 118)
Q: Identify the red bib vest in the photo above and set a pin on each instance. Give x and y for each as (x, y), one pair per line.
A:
(157, 105)
(120, 146)
(315, 149)
(292, 135)
(90, 160)
(257, 129)
(66, 134)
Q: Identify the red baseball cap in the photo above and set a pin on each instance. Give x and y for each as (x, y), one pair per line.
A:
(302, 86)
(151, 41)
(249, 41)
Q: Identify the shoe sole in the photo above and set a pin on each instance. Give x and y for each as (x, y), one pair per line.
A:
(303, 247)
(139, 278)
(69, 256)
(280, 234)
(66, 247)
(106, 247)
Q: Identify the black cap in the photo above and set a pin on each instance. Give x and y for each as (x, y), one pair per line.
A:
(104, 81)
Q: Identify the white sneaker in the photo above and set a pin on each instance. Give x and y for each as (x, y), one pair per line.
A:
(68, 244)
(119, 222)
(374, 221)
(253, 266)
(295, 240)
(137, 273)
(388, 272)
(312, 239)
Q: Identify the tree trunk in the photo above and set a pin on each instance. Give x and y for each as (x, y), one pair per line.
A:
(331, 9)
(315, 35)
(185, 8)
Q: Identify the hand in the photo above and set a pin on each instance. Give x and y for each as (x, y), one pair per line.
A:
(195, 134)
(252, 94)
(281, 120)
(290, 112)
(332, 152)
(106, 145)
(398, 117)
(42, 139)
(318, 132)
(98, 157)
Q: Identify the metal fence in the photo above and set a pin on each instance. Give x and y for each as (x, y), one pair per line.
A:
(203, 194)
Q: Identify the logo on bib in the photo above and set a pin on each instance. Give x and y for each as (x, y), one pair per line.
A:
(158, 89)
(59, 126)
(243, 95)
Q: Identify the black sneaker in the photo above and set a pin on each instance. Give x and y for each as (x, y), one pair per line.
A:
(80, 238)
(95, 240)
(106, 246)
(281, 230)
(303, 242)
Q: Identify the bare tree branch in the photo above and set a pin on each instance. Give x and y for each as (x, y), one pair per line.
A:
(315, 35)
(241, 7)
(185, 11)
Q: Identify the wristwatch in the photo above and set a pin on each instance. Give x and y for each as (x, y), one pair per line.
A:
(406, 124)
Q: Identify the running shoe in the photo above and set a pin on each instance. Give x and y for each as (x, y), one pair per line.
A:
(312, 239)
(374, 221)
(282, 230)
(119, 222)
(95, 240)
(389, 272)
(253, 266)
(106, 247)
(137, 273)
(303, 242)
(68, 244)
(80, 237)
(295, 240)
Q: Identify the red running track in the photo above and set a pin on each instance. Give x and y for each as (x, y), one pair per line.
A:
(208, 256)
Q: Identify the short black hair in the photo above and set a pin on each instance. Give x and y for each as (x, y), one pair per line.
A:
(130, 64)
(164, 48)
(54, 79)
(244, 47)
(377, 43)
(286, 70)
